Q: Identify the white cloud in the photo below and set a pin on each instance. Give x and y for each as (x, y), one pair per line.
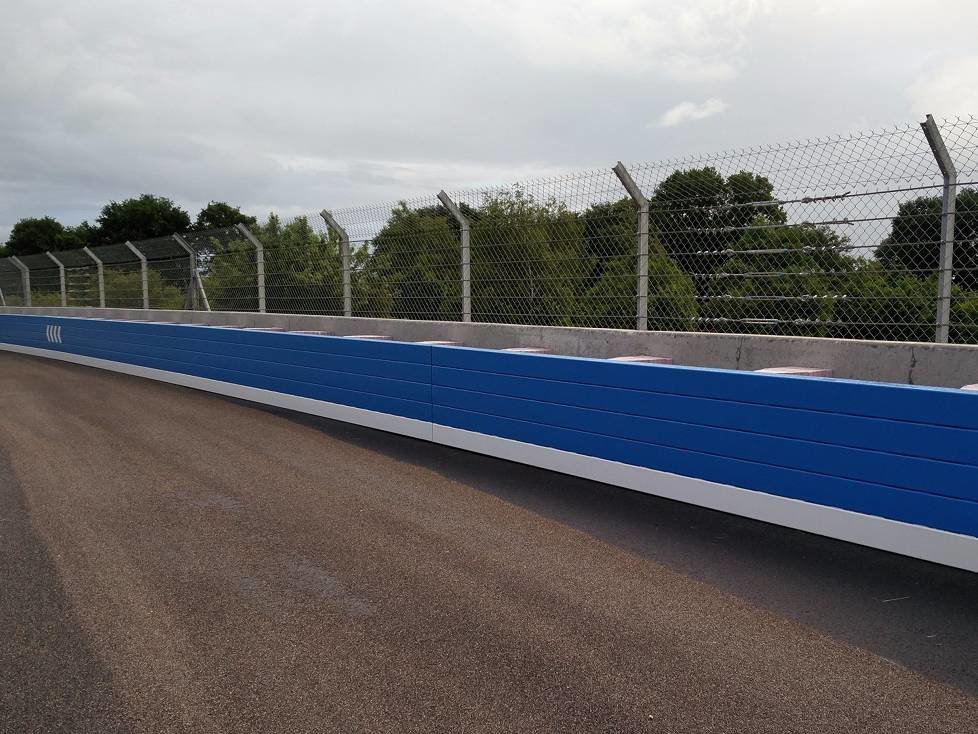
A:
(675, 39)
(688, 111)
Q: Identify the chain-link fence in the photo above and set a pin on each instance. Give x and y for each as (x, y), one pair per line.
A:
(847, 237)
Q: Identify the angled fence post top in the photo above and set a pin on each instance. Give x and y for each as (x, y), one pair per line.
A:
(344, 260)
(259, 263)
(642, 249)
(25, 278)
(948, 206)
(466, 253)
(196, 285)
(61, 277)
(183, 243)
(453, 209)
(334, 225)
(143, 273)
(101, 276)
(247, 234)
(630, 186)
(136, 252)
(936, 141)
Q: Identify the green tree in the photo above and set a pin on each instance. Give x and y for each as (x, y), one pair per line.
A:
(372, 294)
(417, 258)
(964, 317)
(526, 261)
(139, 218)
(609, 297)
(875, 303)
(219, 215)
(81, 235)
(699, 214)
(34, 234)
(39, 234)
(914, 242)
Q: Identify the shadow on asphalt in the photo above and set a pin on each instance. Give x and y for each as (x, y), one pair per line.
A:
(922, 615)
(50, 678)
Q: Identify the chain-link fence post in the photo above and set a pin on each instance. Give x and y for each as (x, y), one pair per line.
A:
(61, 278)
(466, 254)
(642, 204)
(25, 279)
(948, 203)
(259, 264)
(344, 260)
(191, 302)
(101, 276)
(196, 285)
(143, 273)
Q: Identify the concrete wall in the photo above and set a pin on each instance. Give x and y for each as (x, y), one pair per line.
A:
(938, 365)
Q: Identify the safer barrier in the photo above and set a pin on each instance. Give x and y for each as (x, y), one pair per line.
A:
(889, 466)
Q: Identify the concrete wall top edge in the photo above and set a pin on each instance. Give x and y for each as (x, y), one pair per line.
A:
(918, 363)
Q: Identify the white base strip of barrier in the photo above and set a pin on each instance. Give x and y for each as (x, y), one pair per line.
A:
(917, 541)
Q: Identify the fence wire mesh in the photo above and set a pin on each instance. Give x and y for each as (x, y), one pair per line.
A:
(836, 237)
(405, 260)
(11, 283)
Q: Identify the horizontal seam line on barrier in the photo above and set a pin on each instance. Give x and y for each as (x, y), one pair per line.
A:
(706, 453)
(703, 397)
(495, 393)
(300, 366)
(46, 345)
(876, 452)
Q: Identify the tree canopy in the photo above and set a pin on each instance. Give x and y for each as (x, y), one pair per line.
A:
(137, 218)
(914, 242)
(38, 234)
(141, 217)
(699, 213)
(218, 214)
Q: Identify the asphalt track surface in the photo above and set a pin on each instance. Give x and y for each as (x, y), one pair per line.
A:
(172, 561)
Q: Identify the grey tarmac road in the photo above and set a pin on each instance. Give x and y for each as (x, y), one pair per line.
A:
(171, 561)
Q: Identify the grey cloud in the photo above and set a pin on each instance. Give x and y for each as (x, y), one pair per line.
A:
(299, 104)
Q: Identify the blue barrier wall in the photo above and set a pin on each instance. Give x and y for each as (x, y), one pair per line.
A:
(389, 378)
(903, 453)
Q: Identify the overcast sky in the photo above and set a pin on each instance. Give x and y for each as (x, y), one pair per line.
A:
(302, 104)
